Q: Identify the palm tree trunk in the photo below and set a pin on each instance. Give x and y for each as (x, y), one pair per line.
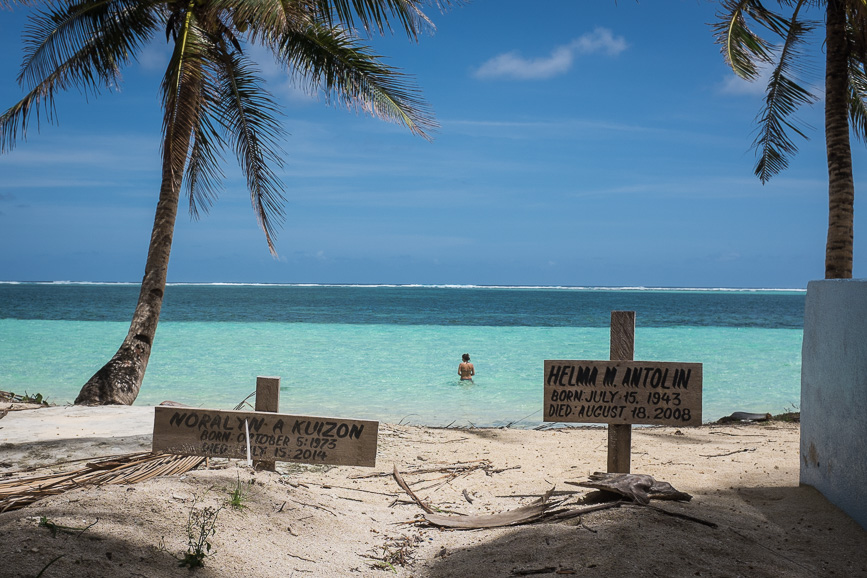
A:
(841, 186)
(119, 380)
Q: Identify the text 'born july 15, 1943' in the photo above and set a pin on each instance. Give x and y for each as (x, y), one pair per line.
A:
(622, 392)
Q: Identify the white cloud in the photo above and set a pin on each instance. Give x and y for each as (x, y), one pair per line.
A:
(600, 40)
(729, 256)
(512, 65)
(736, 86)
(559, 61)
(280, 83)
(155, 56)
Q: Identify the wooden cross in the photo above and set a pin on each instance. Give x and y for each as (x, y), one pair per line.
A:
(621, 392)
(264, 434)
(622, 348)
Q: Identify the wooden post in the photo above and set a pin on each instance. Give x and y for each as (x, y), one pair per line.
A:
(267, 399)
(622, 349)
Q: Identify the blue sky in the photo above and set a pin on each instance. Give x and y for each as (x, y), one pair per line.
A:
(580, 143)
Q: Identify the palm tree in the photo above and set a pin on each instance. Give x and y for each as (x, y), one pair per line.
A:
(212, 99)
(845, 96)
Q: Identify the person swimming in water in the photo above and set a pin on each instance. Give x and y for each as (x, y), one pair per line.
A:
(466, 369)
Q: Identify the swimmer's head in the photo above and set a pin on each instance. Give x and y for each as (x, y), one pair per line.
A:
(465, 357)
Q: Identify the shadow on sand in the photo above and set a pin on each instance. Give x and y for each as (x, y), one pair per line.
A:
(766, 535)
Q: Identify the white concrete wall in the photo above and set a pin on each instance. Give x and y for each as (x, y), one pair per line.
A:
(834, 394)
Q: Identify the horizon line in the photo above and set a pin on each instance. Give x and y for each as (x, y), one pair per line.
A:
(420, 285)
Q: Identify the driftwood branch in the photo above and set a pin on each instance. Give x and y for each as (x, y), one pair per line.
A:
(728, 453)
(522, 515)
(403, 485)
(639, 488)
(454, 469)
(576, 512)
(634, 489)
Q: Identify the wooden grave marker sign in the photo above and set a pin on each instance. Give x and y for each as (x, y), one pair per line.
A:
(621, 392)
(270, 436)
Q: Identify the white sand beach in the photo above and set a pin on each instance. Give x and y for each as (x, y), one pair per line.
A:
(342, 521)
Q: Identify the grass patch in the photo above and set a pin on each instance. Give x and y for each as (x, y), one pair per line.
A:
(238, 495)
(792, 414)
(201, 526)
(54, 528)
(10, 397)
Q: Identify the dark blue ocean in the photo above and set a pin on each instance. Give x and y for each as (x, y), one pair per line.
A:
(391, 352)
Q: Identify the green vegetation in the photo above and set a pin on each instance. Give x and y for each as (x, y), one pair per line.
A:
(201, 525)
(8, 396)
(238, 495)
(792, 414)
(55, 528)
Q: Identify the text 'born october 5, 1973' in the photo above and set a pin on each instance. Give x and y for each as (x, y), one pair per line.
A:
(266, 435)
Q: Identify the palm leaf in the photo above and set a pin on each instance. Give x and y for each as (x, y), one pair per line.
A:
(203, 175)
(333, 61)
(856, 32)
(182, 93)
(856, 29)
(11, 3)
(370, 15)
(114, 31)
(55, 62)
(376, 15)
(741, 48)
(266, 18)
(858, 99)
(14, 122)
(248, 115)
(784, 96)
(746, 52)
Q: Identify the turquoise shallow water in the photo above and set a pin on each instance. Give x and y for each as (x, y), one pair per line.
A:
(391, 371)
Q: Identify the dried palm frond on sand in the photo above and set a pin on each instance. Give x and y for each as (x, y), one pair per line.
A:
(19, 492)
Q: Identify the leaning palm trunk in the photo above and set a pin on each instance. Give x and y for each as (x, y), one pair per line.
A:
(213, 99)
(841, 187)
(119, 380)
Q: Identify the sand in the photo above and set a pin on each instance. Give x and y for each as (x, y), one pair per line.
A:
(342, 521)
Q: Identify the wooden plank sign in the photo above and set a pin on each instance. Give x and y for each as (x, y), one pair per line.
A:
(623, 392)
(272, 436)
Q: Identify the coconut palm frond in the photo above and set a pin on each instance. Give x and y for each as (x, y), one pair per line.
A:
(204, 176)
(856, 32)
(784, 96)
(99, 37)
(261, 19)
(856, 29)
(248, 115)
(21, 491)
(14, 122)
(182, 93)
(858, 99)
(56, 63)
(742, 49)
(12, 3)
(376, 15)
(333, 61)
